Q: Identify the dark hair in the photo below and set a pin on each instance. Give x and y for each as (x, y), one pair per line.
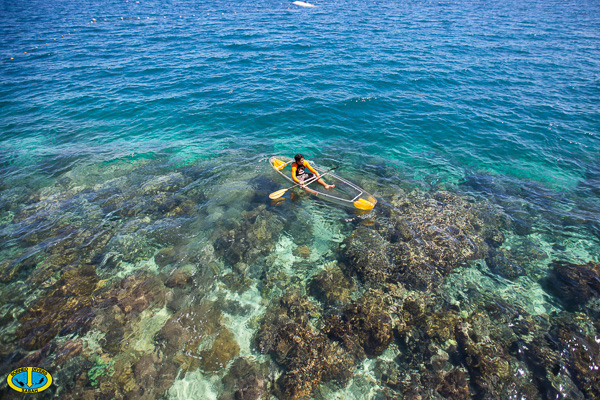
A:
(298, 157)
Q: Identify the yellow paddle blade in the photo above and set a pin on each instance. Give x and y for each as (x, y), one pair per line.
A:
(277, 194)
(278, 164)
(363, 204)
(276, 202)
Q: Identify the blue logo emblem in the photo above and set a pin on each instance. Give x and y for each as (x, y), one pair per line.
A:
(29, 380)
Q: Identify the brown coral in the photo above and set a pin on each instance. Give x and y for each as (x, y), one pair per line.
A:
(424, 239)
(246, 240)
(332, 287)
(223, 350)
(366, 323)
(59, 308)
(308, 356)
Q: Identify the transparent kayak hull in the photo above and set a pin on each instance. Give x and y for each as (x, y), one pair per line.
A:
(344, 193)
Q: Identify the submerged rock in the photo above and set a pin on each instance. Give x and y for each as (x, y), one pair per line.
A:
(153, 376)
(164, 183)
(582, 353)
(181, 277)
(575, 284)
(501, 265)
(302, 251)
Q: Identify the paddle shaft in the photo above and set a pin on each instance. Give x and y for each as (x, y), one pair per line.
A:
(280, 193)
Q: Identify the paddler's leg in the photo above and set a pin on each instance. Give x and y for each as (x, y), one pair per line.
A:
(322, 182)
(310, 190)
(306, 177)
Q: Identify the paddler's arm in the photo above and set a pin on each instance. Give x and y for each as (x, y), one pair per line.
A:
(312, 169)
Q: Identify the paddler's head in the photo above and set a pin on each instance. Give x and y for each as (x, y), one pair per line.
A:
(299, 159)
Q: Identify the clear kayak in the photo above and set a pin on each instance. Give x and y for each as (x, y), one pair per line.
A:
(344, 192)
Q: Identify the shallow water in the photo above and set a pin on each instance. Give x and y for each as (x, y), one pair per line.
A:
(140, 255)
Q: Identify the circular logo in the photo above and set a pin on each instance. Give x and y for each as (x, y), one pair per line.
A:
(29, 380)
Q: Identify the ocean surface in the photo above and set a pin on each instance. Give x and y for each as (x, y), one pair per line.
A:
(140, 254)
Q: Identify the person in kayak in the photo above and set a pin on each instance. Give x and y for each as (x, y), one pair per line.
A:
(300, 173)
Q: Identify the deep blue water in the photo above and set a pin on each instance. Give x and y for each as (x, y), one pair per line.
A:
(496, 100)
(444, 86)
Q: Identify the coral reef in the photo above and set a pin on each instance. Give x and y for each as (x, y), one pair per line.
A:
(253, 236)
(332, 287)
(489, 349)
(367, 257)
(223, 350)
(494, 349)
(308, 356)
(131, 248)
(245, 380)
(364, 327)
(183, 334)
(153, 376)
(424, 239)
(165, 183)
(100, 368)
(487, 360)
(66, 307)
(385, 295)
(236, 282)
(118, 306)
(58, 284)
(311, 357)
(114, 311)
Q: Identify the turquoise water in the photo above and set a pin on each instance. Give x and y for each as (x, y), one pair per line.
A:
(134, 139)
